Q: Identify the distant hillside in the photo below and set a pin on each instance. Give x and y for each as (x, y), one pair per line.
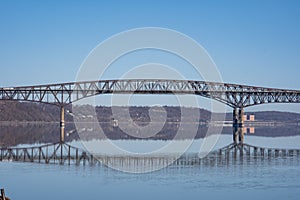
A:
(20, 111)
(39, 123)
(23, 111)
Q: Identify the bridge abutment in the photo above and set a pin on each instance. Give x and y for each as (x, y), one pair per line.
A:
(237, 125)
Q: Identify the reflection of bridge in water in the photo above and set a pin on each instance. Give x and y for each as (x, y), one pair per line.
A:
(63, 153)
(236, 96)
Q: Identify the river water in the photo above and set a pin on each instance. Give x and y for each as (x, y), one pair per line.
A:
(275, 178)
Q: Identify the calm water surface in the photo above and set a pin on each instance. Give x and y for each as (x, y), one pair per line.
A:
(276, 178)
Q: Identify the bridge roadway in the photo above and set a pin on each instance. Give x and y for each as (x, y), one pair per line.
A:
(234, 95)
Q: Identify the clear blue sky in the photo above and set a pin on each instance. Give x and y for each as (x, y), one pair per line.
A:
(252, 42)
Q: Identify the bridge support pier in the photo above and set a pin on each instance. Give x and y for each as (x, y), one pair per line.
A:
(62, 124)
(237, 125)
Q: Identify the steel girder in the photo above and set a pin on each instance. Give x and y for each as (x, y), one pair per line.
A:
(231, 94)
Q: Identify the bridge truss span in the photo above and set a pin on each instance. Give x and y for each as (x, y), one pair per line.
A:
(233, 95)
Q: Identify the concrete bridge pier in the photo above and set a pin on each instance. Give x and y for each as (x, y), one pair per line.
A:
(62, 131)
(62, 124)
(237, 125)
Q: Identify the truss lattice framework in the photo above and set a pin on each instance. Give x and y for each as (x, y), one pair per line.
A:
(234, 95)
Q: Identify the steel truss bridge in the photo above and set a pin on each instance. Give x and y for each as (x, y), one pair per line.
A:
(236, 96)
(233, 95)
